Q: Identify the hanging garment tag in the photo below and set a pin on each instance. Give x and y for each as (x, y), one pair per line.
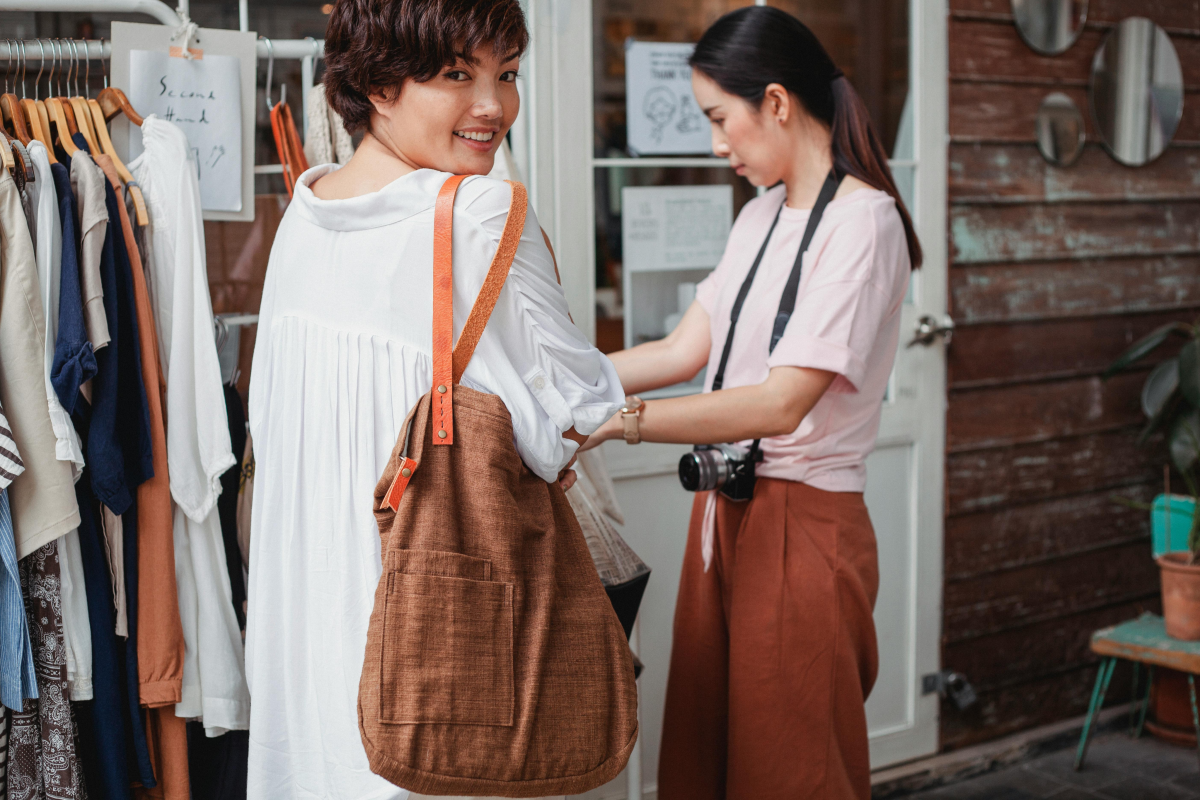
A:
(403, 475)
(196, 55)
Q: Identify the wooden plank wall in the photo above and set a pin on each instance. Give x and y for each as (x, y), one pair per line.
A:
(1053, 272)
(237, 255)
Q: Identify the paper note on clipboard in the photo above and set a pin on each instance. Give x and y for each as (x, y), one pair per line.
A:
(203, 97)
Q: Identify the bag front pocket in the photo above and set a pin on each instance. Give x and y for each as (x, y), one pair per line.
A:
(447, 654)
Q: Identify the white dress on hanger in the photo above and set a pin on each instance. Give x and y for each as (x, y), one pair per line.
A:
(342, 354)
(198, 446)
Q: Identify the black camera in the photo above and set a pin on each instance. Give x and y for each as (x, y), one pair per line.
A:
(726, 467)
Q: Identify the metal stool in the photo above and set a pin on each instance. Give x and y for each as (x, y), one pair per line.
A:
(1141, 641)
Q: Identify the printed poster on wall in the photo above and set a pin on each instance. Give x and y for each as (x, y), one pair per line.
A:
(660, 111)
(675, 227)
(203, 97)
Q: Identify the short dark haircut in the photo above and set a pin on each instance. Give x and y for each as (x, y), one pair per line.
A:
(374, 46)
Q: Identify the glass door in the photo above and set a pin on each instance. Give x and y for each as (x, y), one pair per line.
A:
(600, 188)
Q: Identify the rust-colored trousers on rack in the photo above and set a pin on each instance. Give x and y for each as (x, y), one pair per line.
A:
(774, 651)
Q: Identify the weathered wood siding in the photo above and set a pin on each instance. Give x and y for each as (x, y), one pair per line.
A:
(1053, 272)
(237, 265)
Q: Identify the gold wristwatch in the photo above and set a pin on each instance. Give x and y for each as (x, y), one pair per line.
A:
(631, 415)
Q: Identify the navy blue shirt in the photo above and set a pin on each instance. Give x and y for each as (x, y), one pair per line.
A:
(74, 363)
(118, 453)
(116, 428)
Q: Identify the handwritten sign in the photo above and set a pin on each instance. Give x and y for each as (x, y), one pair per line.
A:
(203, 97)
(661, 112)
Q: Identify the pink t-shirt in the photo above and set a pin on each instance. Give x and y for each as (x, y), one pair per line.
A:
(847, 320)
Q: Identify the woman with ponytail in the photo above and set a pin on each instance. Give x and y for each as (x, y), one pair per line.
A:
(774, 645)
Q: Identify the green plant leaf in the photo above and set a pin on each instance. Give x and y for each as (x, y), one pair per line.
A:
(1161, 383)
(1184, 441)
(1163, 419)
(1146, 345)
(1189, 372)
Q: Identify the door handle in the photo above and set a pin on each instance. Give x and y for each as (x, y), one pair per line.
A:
(928, 329)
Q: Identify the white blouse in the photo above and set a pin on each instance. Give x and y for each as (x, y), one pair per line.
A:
(198, 446)
(342, 354)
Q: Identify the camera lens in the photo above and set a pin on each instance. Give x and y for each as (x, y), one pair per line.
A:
(703, 470)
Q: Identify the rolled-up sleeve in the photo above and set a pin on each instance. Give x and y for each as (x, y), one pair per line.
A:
(836, 322)
(551, 377)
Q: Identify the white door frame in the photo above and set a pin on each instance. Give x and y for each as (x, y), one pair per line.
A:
(916, 414)
(554, 144)
(553, 147)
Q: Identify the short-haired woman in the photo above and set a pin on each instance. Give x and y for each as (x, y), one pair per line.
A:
(774, 648)
(344, 351)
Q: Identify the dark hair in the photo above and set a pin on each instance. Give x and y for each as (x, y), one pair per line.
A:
(373, 46)
(748, 49)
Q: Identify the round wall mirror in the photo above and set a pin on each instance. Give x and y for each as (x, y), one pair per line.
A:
(1060, 132)
(1049, 26)
(1136, 91)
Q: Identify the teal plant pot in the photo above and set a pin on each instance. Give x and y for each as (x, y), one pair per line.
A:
(1170, 523)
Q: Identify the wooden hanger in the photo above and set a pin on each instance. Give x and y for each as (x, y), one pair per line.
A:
(8, 100)
(10, 106)
(6, 153)
(61, 115)
(40, 131)
(106, 145)
(36, 114)
(58, 117)
(83, 120)
(113, 101)
(78, 104)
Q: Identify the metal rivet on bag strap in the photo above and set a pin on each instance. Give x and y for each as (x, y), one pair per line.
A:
(441, 434)
(406, 472)
(441, 390)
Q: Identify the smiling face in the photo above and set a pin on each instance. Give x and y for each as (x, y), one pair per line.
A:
(455, 121)
(756, 141)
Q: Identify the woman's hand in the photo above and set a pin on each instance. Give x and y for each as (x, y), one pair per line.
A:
(567, 478)
(676, 359)
(611, 429)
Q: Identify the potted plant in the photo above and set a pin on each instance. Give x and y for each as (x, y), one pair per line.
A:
(1171, 401)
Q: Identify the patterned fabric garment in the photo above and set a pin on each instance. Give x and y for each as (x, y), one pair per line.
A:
(3, 751)
(10, 461)
(42, 762)
(17, 679)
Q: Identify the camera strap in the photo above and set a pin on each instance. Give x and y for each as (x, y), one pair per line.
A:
(787, 303)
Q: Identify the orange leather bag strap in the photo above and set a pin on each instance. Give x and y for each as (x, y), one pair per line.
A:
(449, 361)
(443, 312)
(481, 312)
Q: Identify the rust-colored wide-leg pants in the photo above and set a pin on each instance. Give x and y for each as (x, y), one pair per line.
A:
(774, 651)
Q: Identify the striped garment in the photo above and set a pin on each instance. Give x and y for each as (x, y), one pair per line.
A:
(10, 460)
(18, 681)
(3, 751)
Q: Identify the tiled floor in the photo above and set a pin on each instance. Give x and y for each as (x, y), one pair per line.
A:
(1117, 768)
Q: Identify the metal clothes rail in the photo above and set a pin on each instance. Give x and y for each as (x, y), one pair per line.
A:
(307, 51)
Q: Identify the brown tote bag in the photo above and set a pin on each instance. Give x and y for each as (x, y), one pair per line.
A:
(495, 664)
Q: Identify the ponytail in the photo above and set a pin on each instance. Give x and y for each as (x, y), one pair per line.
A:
(748, 49)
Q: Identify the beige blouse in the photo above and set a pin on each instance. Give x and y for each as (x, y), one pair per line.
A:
(43, 498)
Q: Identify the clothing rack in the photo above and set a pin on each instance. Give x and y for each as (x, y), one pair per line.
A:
(307, 51)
